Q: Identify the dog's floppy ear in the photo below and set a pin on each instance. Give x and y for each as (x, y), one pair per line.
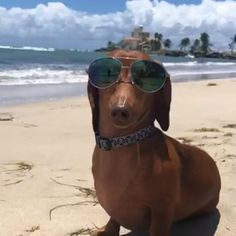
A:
(93, 100)
(163, 105)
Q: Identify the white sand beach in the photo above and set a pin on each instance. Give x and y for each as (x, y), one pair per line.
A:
(46, 185)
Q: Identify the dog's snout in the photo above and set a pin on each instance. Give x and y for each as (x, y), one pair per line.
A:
(121, 115)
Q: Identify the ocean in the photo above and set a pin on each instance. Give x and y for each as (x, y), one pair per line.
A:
(36, 74)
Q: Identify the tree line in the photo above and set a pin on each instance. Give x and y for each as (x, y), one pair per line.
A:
(201, 46)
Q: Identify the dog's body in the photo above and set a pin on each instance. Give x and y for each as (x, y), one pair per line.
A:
(157, 181)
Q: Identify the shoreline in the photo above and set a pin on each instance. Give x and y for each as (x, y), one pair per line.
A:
(46, 151)
(26, 94)
(30, 94)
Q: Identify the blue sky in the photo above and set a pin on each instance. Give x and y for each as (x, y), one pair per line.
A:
(90, 6)
(90, 24)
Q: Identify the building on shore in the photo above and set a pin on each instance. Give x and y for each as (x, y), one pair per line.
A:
(139, 40)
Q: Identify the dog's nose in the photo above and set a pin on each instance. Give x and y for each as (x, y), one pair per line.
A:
(120, 112)
(120, 115)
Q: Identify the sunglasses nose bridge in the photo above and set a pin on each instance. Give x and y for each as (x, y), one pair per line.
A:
(125, 75)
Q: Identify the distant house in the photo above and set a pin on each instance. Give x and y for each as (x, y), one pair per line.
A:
(139, 40)
(130, 43)
(140, 34)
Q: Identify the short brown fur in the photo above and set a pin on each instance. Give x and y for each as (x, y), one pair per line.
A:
(156, 182)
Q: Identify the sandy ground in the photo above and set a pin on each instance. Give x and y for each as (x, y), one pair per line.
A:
(46, 187)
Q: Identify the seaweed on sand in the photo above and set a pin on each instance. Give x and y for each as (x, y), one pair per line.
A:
(17, 171)
(83, 231)
(21, 166)
(233, 126)
(84, 192)
(206, 130)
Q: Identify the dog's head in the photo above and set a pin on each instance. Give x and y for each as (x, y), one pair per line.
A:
(125, 107)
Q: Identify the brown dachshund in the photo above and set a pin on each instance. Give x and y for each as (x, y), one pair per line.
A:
(153, 181)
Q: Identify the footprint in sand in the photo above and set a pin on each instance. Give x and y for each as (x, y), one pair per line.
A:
(14, 173)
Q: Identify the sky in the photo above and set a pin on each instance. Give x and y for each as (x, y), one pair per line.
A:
(90, 24)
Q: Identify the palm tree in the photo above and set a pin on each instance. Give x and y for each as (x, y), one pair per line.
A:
(185, 42)
(158, 41)
(167, 43)
(111, 45)
(232, 43)
(195, 46)
(157, 45)
(205, 43)
(153, 44)
(158, 36)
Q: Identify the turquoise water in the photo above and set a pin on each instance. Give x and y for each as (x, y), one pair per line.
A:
(22, 67)
(16, 56)
(31, 75)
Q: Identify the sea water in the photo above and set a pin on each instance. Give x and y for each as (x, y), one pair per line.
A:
(35, 74)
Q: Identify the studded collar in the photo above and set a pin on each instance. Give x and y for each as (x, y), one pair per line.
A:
(116, 142)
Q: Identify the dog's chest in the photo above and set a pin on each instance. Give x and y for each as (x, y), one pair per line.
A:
(122, 189)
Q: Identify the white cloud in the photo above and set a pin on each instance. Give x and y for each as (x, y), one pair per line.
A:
(55, 25)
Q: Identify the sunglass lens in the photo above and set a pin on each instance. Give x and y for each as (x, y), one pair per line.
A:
(148, 76)
(104, 72)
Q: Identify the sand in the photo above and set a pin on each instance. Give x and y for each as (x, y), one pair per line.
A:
(46, 186)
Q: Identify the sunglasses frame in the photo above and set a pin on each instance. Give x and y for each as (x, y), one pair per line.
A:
(118, 80)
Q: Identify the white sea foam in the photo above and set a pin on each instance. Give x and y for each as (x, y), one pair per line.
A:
(184, 73)
(28, 48)
(172, 64)
(41, 76)
(220, 63)
(60, 73)
(37, 77)
(196, 63)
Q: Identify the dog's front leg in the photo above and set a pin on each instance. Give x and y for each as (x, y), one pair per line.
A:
(161, 220)
(112, 228)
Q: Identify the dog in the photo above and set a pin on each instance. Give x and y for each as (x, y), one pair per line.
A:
(153, 180)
